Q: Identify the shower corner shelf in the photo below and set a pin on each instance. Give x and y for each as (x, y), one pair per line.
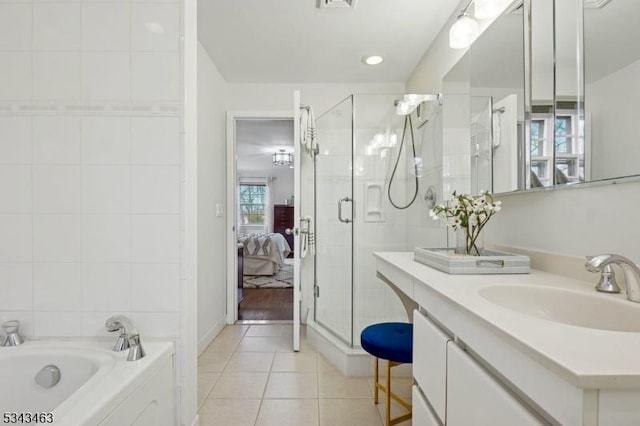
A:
(491, 262)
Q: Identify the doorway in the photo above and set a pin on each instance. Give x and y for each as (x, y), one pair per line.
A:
(262, 214)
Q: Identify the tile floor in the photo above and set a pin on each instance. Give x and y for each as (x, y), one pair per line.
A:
(249, 376)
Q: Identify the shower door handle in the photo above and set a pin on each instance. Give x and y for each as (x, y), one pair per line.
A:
(340, 201)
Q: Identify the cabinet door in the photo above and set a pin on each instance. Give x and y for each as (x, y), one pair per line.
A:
(476, 398)
(430, 361)
(422, 414)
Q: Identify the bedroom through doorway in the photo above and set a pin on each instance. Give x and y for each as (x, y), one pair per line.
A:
(264, 218)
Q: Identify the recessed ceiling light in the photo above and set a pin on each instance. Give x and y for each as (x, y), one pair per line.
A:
(372, 60)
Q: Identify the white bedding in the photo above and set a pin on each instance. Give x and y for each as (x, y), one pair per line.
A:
(264, 254)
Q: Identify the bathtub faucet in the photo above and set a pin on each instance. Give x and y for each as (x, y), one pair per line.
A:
(129, 338)
(12, 337)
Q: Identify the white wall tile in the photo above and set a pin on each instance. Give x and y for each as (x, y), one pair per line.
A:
(155, 140)
(15, 140)
(156, 238)
(155, 287)
(57, 238)
(93, 324)
(57, 286)
(56, 75)
(106, 287)
(155, 76)
(17, 74)
(16, 286)
(105, 75)
(155, 27)
(105, 26)
(57, 324)
(17, 238)
(155, 189)
(56, 26)
(15, 26)
(106, 238)
(16, 189)
(156, 324)
(106, 140)
(106, 189)
(24, 317)
(56, 189)
(56, 140)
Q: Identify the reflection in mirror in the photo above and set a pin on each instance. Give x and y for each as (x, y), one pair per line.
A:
(483, 111)
(497, 75)
(612, 90)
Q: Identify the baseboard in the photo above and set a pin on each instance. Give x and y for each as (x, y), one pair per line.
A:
(210, 335)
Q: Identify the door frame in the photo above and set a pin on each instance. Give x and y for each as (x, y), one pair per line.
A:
(232, 177)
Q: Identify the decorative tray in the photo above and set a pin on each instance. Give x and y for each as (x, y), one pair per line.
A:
(491, 262)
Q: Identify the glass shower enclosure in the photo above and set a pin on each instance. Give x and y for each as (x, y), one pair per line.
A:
(359, 141)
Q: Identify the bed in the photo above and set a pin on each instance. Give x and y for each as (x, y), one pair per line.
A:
(264, 254)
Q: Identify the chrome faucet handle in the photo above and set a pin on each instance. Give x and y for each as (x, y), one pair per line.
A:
(136, 350)
(607, 283)
(12, 337)
(629, 268)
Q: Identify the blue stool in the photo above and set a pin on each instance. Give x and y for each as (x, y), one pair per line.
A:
(393, 342)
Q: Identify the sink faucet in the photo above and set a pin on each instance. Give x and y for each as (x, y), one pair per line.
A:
(129, 338)
(630, 269)
(12, 337)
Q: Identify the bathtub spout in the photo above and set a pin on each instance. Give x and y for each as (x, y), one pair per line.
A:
(12, 338)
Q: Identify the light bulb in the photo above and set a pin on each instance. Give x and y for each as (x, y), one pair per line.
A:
(463, 32)
(402, 108)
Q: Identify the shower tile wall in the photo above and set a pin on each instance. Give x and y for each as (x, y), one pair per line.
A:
(90, 165)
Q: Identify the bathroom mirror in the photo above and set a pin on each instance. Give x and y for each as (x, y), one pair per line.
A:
(483, 111)
(563, 100)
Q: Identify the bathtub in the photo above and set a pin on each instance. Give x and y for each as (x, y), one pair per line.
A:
(96, 387)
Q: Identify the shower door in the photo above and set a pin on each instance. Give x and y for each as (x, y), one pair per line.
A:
(333, 301)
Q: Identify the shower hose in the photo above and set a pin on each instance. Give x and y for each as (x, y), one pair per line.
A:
(407, 122)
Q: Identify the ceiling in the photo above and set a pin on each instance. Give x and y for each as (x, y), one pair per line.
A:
(293, 41)
(257, 140)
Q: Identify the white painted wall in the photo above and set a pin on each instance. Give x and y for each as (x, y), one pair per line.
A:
(575, 221)
(212, 178)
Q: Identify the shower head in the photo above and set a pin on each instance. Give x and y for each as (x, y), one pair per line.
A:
(410, 102)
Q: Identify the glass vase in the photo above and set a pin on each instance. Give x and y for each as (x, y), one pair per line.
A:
(467, 245)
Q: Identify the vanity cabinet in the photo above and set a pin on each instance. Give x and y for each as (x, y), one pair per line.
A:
(453, 389)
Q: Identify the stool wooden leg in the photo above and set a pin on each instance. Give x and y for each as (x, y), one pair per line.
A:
(375, 381)
(387, 396)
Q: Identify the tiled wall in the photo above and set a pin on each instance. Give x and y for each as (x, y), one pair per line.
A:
(90, 165)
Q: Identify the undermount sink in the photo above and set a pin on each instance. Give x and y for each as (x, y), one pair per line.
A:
(597, 310)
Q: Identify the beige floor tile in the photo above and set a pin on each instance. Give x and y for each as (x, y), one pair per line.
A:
(238, 330)
(239, 385)
(223, 344)
(295, 361)
(206, 381)
(292, 385)
(335, 385)
(349, 412)
(324, 366)
(285, 344)
(258, 344)
(288, 412)
(250, 362)
(265, 330)
(213, 361)
(229, 412)
(396, 410)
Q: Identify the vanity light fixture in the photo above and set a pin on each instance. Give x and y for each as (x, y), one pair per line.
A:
(463, 31)
(282, 158)
(372, 60)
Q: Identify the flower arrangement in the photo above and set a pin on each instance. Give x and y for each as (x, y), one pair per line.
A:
(469, 214)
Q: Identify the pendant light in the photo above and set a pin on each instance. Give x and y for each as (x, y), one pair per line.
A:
(463, 31)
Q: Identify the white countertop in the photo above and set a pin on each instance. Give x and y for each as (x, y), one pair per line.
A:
(587, 358)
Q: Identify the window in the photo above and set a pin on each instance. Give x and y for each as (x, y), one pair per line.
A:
(252, 204)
